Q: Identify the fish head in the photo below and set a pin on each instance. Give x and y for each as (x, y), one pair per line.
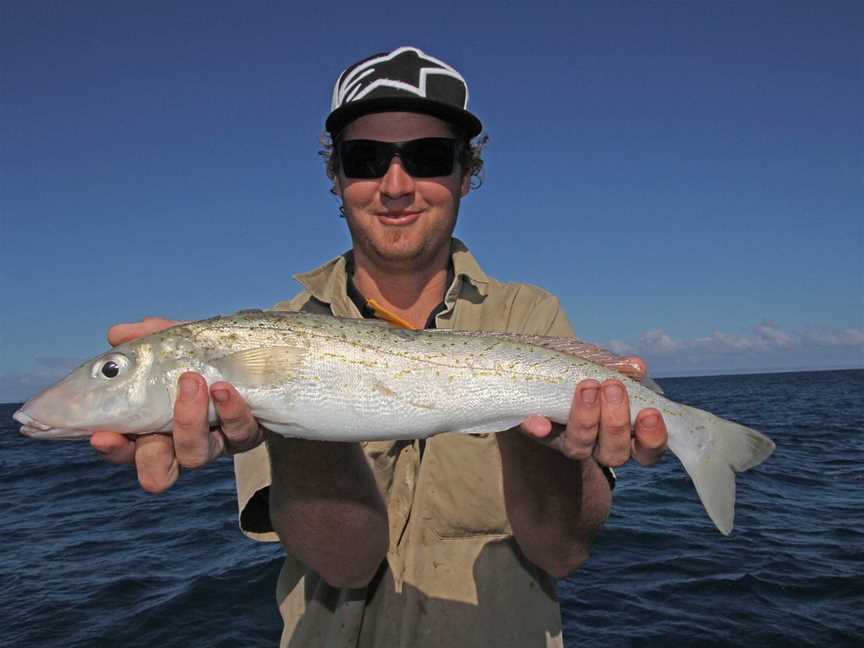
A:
(116, 391)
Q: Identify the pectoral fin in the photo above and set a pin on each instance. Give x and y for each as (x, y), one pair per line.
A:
(260, 367)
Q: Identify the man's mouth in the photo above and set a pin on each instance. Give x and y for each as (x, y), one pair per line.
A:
(399, 217)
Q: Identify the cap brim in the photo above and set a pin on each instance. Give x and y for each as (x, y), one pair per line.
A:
(462, 119)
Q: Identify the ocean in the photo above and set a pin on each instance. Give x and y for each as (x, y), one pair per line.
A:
(87, 559)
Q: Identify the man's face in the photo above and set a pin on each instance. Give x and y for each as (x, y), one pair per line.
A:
(399, 221)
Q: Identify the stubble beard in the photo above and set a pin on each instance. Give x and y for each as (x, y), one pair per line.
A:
(394, 249)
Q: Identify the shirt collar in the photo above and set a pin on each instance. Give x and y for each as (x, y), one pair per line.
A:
(465, 266)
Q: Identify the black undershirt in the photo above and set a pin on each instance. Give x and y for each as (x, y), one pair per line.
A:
(361, 303)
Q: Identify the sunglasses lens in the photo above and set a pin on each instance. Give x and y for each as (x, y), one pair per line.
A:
(365, 159)
(429, 157)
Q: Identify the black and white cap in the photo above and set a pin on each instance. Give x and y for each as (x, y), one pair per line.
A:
(404, 79)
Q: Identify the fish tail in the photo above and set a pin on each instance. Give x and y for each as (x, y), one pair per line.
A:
(712, 450)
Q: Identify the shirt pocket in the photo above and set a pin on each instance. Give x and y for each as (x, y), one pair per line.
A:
(462, 487)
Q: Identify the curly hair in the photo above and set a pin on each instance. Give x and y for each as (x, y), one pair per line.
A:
(471, 159)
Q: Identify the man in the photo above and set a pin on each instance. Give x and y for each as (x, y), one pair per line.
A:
(453, 541)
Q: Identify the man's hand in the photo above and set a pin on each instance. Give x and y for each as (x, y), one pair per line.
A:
(159, 457)
(556, 506)
(599, 426)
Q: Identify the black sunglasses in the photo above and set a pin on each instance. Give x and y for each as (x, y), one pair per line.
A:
(429, 157)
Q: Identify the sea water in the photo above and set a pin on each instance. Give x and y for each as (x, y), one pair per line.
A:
(87, 559)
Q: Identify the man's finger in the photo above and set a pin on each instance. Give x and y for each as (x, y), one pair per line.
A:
(128, 331)
(192, 441)
(239, 427)
(634, 367)
(650, 438)
(113, 447)
(156, 463)
(537, 427)
(613, 439)
(583, 424)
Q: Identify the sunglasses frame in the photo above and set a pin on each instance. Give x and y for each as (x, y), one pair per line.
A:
(399, 149)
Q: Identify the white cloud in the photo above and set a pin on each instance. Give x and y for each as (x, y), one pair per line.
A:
(772, 334)
(766, 345)
(719, 341)
(845, 338)
(620, 347)
(658, 341)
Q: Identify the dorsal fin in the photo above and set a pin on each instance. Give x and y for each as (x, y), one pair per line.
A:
(578, 348)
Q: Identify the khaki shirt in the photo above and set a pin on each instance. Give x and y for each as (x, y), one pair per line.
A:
(454, 575)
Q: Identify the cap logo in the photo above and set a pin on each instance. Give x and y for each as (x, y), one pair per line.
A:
(406, 69)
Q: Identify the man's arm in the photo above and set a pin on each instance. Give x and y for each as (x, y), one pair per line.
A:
(556, 494)
(326, 508)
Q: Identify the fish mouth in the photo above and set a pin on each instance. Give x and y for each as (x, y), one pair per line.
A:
(36, 430)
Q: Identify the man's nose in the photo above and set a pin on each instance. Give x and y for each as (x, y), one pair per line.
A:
(397, 181)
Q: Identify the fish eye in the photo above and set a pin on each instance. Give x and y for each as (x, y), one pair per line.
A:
(110, 369)
(110, 366)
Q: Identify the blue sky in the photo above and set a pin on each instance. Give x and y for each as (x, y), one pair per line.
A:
(685, 176)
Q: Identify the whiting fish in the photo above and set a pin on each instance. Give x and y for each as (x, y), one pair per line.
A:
(325, 378)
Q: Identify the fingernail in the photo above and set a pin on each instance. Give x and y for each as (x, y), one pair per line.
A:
(649, 421)
(613, 393)
(188, 387)
(589, 395)
(221, 395)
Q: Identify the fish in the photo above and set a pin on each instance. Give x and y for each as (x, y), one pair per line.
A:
(325, 378)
